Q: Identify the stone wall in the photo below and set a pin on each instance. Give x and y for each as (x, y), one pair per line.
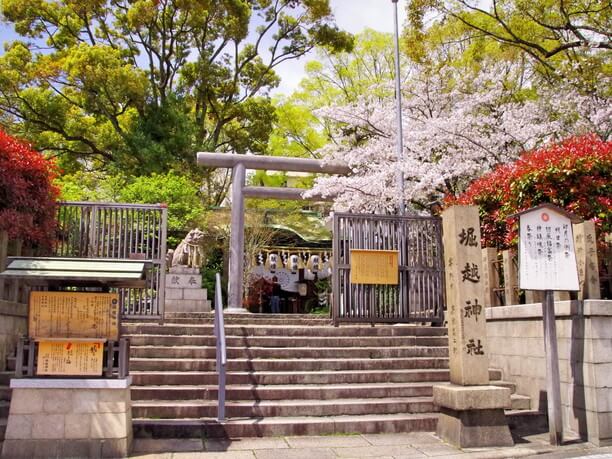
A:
(69, 418)
(13, 324)
(584, 336)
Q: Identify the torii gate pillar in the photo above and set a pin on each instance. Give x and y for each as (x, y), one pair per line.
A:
(239, 164)
(236, 248)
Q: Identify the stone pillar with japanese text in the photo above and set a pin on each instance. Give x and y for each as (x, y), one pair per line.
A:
(585, 242)
(471, 410)
(184, 292)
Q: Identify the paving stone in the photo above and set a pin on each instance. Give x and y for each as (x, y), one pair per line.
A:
(298, 453)
(437, 450)
(327, 442)
(166, 445)
(412, 438)
(213, 455)
(237, 444)
(378, 451)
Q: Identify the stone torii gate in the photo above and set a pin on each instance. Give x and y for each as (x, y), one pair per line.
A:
(239, 164)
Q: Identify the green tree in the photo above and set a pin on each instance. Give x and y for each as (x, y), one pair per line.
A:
(179, 192)
(564, 40)
(140, 86)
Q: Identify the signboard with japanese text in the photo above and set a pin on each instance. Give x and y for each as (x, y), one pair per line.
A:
(374, 267)
(547, 260)
(70, 358)
(73, 315)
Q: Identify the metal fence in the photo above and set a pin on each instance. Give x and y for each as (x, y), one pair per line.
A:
(419, 295)
(111, 230)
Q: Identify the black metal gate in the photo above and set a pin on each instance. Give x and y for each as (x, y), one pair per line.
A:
(419, 295)
(128, 231)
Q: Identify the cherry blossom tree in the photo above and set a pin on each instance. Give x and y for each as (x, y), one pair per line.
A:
(455, 129)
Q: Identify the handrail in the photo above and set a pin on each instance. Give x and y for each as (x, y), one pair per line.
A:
(221, 349)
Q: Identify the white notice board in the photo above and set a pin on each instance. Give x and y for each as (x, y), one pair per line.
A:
(547, 260)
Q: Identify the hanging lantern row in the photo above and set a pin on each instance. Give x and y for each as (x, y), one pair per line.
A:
(293, 262)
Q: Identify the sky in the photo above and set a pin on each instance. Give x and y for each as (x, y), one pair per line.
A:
(351, 15)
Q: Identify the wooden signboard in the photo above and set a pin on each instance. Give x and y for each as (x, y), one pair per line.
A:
(73, 315)
(70, 358)
(547, 260)
(374, 267)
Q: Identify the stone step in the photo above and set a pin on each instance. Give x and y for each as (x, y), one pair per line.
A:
(5, 377)
(520, 402)
(198, 352)
(285, 320)
(4, 408)
(278, 341)
(2, 428)
(140, 364)
(270, 427)
(176, 409)
(156, 377)
(282, 330)
(283, 392)
(508, 384)
(5, 392)
(228, 317)
(527, 420)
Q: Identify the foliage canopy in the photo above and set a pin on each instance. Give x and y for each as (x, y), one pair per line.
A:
(575, 174)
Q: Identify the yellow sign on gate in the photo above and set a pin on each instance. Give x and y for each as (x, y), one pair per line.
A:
(73, 315)
(374, 267)
(70, 358)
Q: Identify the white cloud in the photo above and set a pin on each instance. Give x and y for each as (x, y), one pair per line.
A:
(352, 16)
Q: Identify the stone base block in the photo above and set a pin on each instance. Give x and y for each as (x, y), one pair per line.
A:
(69, 418)
(184, 270)
(462, 398)
(187, 305)
(474, 428)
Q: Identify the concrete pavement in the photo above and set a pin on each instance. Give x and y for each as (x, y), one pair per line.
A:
(380, 446)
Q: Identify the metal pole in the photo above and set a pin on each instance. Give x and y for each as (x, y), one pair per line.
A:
(398, 115)
(553, 387)
(236, 249)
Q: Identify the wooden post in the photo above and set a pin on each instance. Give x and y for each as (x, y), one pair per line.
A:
(510, 278)
(490, 276)
(586, 257)
(553, 386)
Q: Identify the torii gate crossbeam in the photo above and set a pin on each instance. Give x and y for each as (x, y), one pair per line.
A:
(239, 164)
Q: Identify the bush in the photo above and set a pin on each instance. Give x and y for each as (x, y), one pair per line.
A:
(27, 195)
(575, 174)
(180, 193)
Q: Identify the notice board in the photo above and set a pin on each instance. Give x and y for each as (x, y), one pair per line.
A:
(70, 358)
(73, 315)
(374, 267)
(547, 260)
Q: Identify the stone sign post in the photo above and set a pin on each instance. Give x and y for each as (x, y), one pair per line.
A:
(471, 410)
(547, 261)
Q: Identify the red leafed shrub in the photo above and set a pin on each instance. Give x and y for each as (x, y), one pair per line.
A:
(575, 174)
(27, 194)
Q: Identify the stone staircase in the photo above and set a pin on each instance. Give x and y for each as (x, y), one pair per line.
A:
(287, 375)
(5, 400)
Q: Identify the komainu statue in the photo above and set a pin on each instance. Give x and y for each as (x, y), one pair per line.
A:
(189, 252)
